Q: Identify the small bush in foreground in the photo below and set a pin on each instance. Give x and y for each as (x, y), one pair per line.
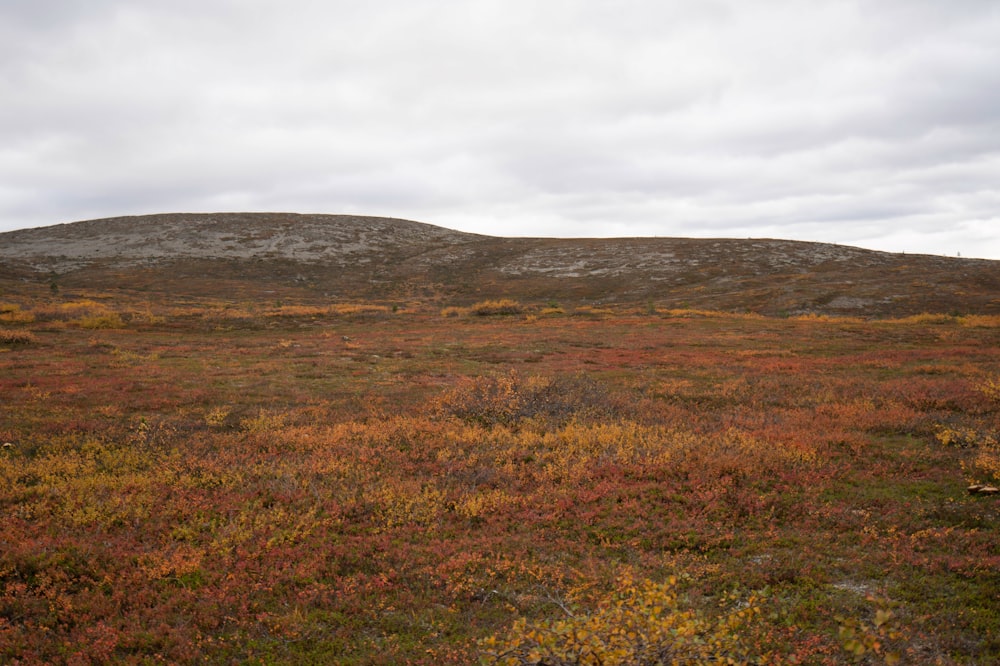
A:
(642, 622)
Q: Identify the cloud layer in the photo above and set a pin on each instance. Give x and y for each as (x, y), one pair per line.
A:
(873, 124)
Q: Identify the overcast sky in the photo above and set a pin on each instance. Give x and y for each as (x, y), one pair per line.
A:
(871, 123)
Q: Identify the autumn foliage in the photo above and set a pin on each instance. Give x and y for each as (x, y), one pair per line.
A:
(500, 306)
(639, 623)
(234, 482)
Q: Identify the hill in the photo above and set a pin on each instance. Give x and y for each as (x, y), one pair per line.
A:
(341, 257)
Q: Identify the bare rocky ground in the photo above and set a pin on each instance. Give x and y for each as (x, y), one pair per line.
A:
(350, 257)
(131, 241)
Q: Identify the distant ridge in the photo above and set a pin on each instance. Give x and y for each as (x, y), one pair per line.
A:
(167, 237)
(344, 257)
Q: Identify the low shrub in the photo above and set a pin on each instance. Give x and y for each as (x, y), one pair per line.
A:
(980, 321)
(641, 622)
(990, 388)
(925, 318)
(8, 337)
(958, 436)
(349, 309)
(503, 306)
(986, 463)
(106, 320)
(12, 312)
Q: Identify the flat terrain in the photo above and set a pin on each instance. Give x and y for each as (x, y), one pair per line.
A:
(211, 478)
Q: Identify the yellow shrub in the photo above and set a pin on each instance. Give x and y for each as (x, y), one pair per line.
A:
(591, 310)
(264, 423)
(402, 503)
(984, 321)
(8, 337)
(826, 318)
(959, 437)
(216, 418)
(479, 504)
(924, 318)
(986, 464)
(12, 312)
(990, 388)
(503, 306)
(641, 622)
(298, 311)
(108, 320)
(357, 309)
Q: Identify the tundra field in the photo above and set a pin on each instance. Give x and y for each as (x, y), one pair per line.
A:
(509, 483)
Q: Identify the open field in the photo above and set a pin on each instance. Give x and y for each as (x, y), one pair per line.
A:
(386, 483)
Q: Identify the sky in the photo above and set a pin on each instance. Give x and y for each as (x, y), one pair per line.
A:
(873, 123)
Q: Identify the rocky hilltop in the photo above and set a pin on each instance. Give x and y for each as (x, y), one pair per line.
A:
(351, 257)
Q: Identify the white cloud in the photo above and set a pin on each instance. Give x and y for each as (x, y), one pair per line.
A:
(831, 120)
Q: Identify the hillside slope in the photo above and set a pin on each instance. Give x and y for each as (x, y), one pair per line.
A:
(270, 255)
